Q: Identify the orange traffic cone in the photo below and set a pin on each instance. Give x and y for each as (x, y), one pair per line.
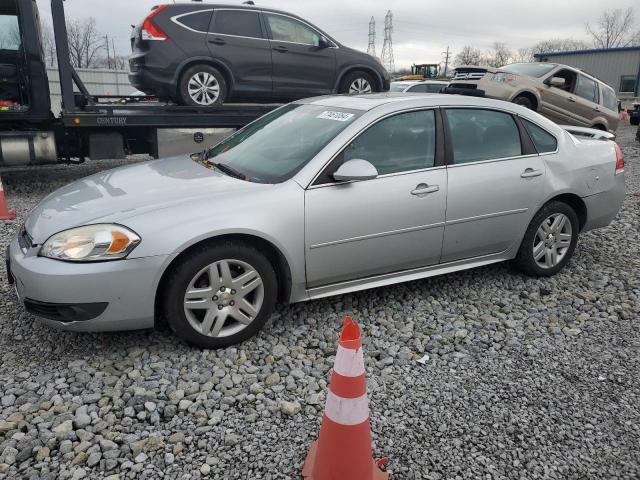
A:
(343, 451)
(5, 213)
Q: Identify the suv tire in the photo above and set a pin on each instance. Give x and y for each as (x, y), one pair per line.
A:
(202, 86)
(219, 295)
(543, 242)
(357, 82)
(524, 101)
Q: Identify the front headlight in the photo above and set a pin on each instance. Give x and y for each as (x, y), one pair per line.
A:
(91, 243)
(503, 77)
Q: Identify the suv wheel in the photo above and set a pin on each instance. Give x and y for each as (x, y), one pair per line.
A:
(202, 86)
(357, 82)
(220, 295)
(524, 101)
(550, 240)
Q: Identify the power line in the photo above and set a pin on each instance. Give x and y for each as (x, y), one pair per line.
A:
(387, 47)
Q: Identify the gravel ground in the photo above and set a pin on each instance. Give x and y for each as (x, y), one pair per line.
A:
(526, 378)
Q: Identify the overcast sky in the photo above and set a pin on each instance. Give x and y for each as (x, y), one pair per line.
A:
(422, 28)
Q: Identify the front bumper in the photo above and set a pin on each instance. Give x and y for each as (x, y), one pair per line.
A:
(73, 295)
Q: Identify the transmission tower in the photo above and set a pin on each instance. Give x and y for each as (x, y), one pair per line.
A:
(371, 49)
(387, 47)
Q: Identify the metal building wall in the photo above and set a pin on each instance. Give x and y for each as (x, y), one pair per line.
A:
(607, 66)
(97, 81)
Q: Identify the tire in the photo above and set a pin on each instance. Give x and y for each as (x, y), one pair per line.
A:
(635, 120)
(353, 80)
(186, 314)
(197, 77)
(524, 101)
(563, 246)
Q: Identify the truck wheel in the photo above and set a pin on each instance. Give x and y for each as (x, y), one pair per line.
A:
(219, 295)
(357, 82)
(550, 240)
(524, 101)
(202, 86)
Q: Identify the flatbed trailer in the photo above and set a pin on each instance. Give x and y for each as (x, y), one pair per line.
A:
(88, 126)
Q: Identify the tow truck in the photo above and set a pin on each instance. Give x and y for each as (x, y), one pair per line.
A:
(88, 126)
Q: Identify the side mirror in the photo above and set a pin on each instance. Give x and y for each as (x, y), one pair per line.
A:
(354, 170)
(556, 82)
(323, 42)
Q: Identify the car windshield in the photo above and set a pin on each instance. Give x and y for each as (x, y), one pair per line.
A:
(273, 148)
(399, 86)
(529, 69)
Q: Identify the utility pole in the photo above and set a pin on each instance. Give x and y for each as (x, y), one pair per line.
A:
(371, 49)
(113, 50)
(106, 39)
(447, 54)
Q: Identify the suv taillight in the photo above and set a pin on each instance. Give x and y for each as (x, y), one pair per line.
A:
(619, 160)
(150, 30)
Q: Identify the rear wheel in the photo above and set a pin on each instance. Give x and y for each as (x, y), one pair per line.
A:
(203, 86)
(220, 295)
(524, 101)
(550, 240)
(358, 82)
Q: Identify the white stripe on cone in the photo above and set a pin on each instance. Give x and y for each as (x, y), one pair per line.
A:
(349, 362)
(347, 411)
(1, 189)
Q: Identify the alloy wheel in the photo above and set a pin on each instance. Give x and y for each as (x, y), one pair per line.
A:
(204, 88)
(552, 240)
(360, 85)
(224, 298)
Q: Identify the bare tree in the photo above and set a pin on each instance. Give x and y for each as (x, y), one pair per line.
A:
(523, 55)
(48, 45)
(614, 28)
(498, 56)
(558, 45)
(469, 56)
(85, 42)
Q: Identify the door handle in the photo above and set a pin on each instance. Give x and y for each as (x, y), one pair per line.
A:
(571, 99)
(424, 189)
(530, 173)
(281, 49)
(218, 41)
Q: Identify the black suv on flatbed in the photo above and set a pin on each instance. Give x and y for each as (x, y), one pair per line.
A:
(204, 54)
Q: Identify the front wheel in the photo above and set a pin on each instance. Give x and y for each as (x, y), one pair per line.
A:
(524, 101)
(357, 83)
(220, 295)
(550, 240)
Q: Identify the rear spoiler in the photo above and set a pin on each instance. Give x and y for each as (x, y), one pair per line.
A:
(589, 132)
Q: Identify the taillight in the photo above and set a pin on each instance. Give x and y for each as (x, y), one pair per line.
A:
(150, 30)
(619, 160)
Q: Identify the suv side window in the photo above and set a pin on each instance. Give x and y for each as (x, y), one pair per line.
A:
(587, 89)
(401, 143)
(421, 87)
(479, 135)
(543, 140)
(238, 23)
(287, 29)
(198, 21)
(609, 99)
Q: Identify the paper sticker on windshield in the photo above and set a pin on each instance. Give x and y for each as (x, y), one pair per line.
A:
(337, 116)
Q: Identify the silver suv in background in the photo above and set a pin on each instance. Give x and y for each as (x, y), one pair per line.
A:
(566, 95)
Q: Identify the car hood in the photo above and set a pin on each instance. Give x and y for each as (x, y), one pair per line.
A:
(113, 196)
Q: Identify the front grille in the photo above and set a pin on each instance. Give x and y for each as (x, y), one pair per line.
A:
(470, 76)
(24, 240)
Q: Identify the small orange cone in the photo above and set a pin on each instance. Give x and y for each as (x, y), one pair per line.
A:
(343, 451)
(5, 213)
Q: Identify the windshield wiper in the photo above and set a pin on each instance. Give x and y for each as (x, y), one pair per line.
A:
(226, 169)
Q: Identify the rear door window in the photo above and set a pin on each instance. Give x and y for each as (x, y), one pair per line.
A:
(238, 23)
(587, 89)
(609, 99)
(543, 140)
(479, 135)
(197, 21)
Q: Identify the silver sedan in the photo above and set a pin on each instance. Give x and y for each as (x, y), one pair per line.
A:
(321, 197)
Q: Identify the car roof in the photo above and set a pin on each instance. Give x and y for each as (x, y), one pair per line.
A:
(371, 101)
